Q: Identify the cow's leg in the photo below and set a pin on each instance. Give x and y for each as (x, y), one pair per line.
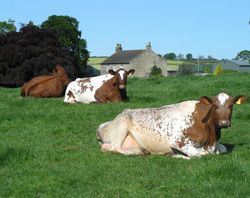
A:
(114, 133)
(190, 151)
(100, 97)
(181, 156)
(220, 148)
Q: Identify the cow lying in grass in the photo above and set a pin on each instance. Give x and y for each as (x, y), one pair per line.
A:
(100, 89)
(47, 86)
(188, 129)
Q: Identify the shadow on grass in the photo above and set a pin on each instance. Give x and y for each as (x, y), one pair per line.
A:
(10, 154)
(143, 99)
(230, 147)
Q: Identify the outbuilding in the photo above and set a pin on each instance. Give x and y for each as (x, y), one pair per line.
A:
(236, 65)
(140, 60)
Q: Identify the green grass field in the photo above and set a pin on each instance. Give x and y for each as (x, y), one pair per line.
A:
(49, 148)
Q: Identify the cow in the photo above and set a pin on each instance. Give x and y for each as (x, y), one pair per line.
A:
(47, 86)
(188, 129)
(99, 89)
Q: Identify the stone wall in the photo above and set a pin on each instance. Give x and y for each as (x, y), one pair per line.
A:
(145, 61)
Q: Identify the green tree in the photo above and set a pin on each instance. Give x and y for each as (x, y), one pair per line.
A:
(189, 56)
(67, 29)
(6, 27)
(170, 56)
(219, 70)
(185, 70)
(243, 55)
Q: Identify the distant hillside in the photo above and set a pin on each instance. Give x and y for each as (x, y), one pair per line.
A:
(172, 64)
(96, 61)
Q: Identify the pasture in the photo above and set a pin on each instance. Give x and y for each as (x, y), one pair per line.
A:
(49, 149)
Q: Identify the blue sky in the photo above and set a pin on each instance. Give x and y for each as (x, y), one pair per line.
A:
(219, 28)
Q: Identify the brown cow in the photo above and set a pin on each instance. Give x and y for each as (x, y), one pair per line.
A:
(47, 86)
(100, 89)
(190, 128)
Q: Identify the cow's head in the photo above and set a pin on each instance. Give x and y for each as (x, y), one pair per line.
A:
(222, 106)
(121, 77)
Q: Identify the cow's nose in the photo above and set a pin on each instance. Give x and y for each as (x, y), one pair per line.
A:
(122, 86)
(224, 123)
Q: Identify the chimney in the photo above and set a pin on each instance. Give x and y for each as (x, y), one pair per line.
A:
(118, 47)
(148, 47)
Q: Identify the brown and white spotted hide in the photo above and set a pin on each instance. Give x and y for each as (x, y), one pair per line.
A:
(188, 129)
(53, 85)
(100, 89)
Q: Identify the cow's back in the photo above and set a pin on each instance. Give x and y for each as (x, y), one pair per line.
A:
(27, 86)
(50, 88)
(163, 124)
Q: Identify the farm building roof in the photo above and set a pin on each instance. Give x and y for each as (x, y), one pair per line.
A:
(122, 57)
(239, 62)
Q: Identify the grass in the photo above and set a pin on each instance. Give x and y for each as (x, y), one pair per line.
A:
(49, 148)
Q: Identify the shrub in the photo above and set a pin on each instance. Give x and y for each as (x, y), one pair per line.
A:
(155, 71)
(219, 70)
(185, 70)
(206, 71)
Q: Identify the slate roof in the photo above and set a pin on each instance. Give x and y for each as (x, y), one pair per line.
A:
(122, 57)
(240, 62)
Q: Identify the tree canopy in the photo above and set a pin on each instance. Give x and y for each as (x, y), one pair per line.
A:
(170, 56)
(29, 53)
(67, 29)
(189, 56)
(243, 55)
(6, 27)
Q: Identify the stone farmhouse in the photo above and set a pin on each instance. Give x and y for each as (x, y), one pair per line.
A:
(140, 60)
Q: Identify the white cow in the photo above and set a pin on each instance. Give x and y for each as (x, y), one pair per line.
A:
(100, 89)
(188, 129)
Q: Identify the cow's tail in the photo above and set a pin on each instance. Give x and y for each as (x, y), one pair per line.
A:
(99, 139)
(98, 136)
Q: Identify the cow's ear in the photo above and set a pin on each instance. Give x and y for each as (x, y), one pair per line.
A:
(54, 72)
(130, 72)
(111, 72)
(240, 99)
(206, 100)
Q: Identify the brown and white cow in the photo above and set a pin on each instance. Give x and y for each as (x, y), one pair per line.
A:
(100, 89)
(188, 129)
(47, 86)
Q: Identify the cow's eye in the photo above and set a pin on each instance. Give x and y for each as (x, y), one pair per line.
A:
(230, 106)
(215, 106)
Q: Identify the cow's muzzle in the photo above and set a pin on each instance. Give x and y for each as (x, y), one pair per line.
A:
(224, 123)
(122, 86)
